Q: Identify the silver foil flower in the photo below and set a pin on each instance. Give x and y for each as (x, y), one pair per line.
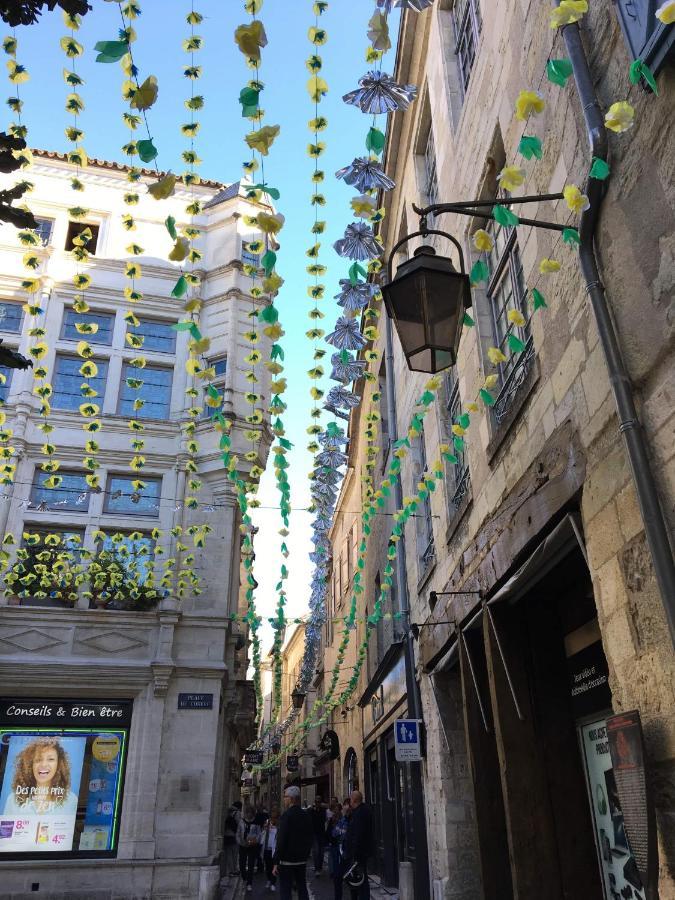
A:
(416, 5)
(358, 243)
(366, 174)
(346, 335)
(379, 93)
(354, 297)
(333, 458)
(340, 398)
(333, 436)
(345, 368)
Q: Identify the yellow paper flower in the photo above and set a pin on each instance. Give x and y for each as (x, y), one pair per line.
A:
(180, 250)
(529, 103)
(472, 407)
(547, 266)
(620, 116)
(88, 410)
(482, 241)
(666, 12)
(317, 89)
(18, 74)
(250, 39)
(567, 12)
(262, 139)
(495, 355)
(576, 201)
(516, 317)
(31, 285)
(511, 177)
(458, 430)
(363, 206)
(270, 223)
(163, 188)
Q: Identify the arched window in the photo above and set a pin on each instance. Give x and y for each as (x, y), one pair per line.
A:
(351, 773)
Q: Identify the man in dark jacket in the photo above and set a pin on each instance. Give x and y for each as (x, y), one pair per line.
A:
(359, 842)
(318, 816)
(294, 844)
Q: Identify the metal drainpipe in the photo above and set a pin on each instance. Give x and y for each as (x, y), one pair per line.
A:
(656, 529)
(412, 687)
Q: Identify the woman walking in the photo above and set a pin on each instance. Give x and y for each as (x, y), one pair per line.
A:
(248, 839)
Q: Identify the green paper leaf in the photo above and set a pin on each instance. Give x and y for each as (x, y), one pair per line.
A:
(426, 398)
(639, 70)
(530, 146)
(110, 51)
(171, 227)
(451, 458)
(270, 191)
(195, 333)
(599, 169)
(459, 443)
(504, 216)
(375, 141)
(571, 236)
(270, 314)
(515, 344)
(249, 97)
(538, 299)
(486, 397)
(180, 288)
(146, 150)
(468, 321)
(268, 261)
(463, 420)
(479, 272)
(558, 71)
(182, 326)
(356, 271)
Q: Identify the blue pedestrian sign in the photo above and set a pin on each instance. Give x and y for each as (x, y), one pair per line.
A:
(407, 738)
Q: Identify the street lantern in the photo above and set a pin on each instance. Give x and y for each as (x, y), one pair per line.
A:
(426, 301)
(298, 697)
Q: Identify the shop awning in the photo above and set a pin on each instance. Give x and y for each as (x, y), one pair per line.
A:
(564, 538)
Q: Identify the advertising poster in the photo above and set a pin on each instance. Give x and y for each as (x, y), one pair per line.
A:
(620, 876)
(61, 788)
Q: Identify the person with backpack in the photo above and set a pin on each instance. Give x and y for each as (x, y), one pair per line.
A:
(230, 839)
(248, 839)
(294, 844)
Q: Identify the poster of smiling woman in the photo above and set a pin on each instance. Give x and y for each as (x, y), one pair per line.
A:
(39, 795)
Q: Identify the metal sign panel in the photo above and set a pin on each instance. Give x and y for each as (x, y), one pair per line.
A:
(254, 757)
(408, 740)
(195, 701)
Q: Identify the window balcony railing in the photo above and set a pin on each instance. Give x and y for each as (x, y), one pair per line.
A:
(513, 382)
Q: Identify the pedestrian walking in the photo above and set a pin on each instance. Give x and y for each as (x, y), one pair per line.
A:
(294, 844)
(337, 830)
(230, 850)
(359, 843)
(261, 819)
(269, 848)
(318, 817)
(248, 839)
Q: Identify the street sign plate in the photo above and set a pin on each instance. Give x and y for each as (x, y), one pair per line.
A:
(408, 744)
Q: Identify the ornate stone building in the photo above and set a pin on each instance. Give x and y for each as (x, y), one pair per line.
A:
(530, 581)
(174, 672)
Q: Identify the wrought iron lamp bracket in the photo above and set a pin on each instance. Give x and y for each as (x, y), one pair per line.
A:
(481, 209)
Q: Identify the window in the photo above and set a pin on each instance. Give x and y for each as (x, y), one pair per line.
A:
(506, 291)
(155, 390)
(423, 516)
(41, 559)
(344, 567)
(219, 366)
(133, 554)
(105, 322)
(72, 495)
(68, 380)
(6, 375)
(11, 317)
(648, 39)
(122, 498)
(44, 230)
(76, 228)
(467, 24)
(384, 421)
(248, 258)
(430, 169)
(458, 473)
(158, 336)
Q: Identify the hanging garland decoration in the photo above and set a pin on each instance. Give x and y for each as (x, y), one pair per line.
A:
(89, 409)
(250, 39)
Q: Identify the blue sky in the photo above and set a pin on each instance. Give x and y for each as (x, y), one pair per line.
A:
(161, 29)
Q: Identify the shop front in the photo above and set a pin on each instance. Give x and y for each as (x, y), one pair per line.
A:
(536, 699)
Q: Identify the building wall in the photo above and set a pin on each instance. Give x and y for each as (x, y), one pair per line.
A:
(558, 445)
(181, 762)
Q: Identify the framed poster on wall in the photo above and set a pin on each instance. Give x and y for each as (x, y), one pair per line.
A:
(61, 776)
(620, 876)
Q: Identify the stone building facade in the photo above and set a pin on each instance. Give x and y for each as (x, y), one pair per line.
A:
(528, 567)
(178, 669)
